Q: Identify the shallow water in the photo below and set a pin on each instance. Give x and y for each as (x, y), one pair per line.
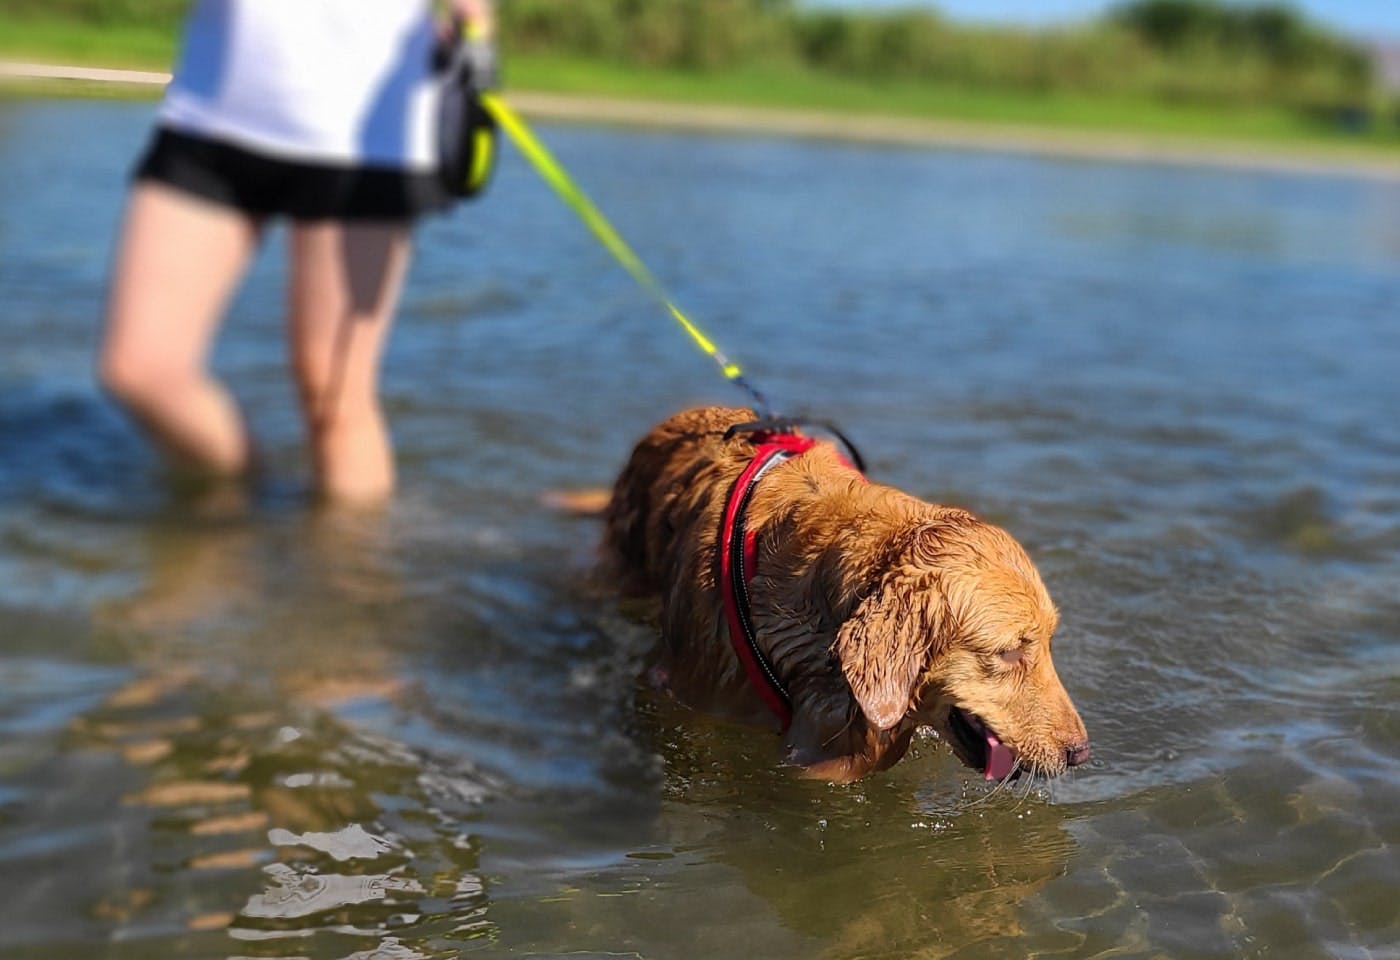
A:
(239, 727)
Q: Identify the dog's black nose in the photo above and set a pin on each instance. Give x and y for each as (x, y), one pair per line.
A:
(1077, 753)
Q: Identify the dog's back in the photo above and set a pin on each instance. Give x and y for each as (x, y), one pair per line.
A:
(662, 539)
(676, 475)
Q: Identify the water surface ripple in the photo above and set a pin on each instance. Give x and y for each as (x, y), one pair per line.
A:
(238, 727)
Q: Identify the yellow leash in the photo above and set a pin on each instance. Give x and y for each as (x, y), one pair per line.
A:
(554, 174)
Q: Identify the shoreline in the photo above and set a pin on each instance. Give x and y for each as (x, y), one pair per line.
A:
(894, 130)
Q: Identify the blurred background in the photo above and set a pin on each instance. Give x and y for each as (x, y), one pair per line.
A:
(1271, 70)
(236, 725)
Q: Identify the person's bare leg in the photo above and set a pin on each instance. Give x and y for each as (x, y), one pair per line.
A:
(345, 285)
(177, 262)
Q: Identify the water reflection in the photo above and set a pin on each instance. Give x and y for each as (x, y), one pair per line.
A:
(906, 865)
(284, 792)
(294, 894)
(236, 726)
(237, 762)
(205, 580)
(316, 762)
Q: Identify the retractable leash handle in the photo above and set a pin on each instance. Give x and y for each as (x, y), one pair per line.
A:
(467, 67)
(554, 174)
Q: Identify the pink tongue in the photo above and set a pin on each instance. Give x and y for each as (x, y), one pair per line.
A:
(999, 759)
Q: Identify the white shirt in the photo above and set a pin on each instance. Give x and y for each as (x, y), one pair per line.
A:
(339, 82)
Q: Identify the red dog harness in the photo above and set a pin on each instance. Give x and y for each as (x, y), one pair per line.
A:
(738, 549)
(737, 553)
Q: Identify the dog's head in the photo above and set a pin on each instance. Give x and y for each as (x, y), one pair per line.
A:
(957, 634)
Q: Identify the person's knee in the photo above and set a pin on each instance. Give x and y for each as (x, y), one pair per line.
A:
(139, 381)
(124, 376)
(332, 413)
(336, 400)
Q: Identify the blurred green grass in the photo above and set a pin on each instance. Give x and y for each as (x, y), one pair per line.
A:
(52, 40)
(784, 85)
(796, 88)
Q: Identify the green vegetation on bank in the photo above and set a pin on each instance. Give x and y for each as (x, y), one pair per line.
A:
(1188, 67)
(81, 43)
(1176, 50)
(806, 90)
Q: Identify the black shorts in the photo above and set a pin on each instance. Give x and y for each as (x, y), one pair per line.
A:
(262, 186)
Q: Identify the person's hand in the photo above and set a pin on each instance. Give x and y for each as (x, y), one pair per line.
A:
(467, 38)
(476, 18)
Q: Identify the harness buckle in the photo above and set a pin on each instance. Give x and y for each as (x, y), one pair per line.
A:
(763, 429)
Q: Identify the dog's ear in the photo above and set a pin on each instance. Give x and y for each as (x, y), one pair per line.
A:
(885, 645)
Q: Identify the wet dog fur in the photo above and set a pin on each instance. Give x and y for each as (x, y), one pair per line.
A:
(880, 612)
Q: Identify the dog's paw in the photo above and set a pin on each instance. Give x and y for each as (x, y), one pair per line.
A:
(814, 765)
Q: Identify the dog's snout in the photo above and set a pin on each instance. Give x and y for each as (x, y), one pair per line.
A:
(1077, 753)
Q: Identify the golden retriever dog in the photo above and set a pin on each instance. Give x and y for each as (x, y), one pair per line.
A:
(875, 612)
